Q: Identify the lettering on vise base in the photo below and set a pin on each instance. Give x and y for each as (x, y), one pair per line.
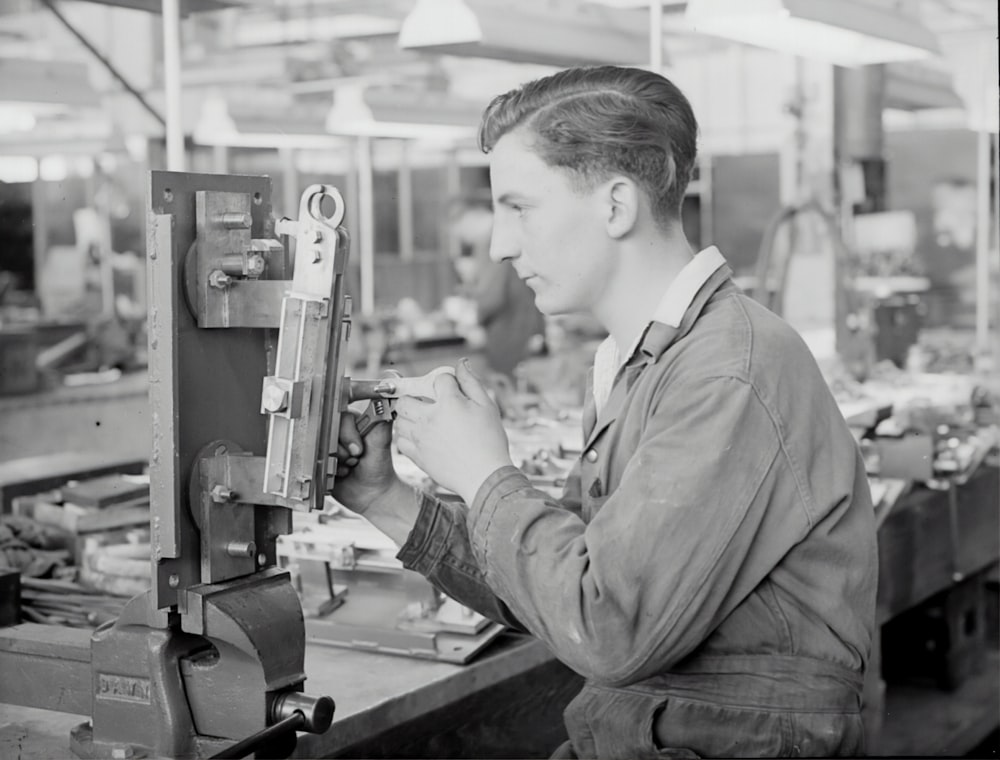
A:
(126, 688)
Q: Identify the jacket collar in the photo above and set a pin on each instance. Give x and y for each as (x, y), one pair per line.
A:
(657, 338)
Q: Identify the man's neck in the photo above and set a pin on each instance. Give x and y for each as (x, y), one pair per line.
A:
(649, 263)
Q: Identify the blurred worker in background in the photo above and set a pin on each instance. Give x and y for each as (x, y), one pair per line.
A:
(513, 328)
(711, 567)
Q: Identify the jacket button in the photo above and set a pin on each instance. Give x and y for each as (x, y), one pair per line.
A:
(591, 455)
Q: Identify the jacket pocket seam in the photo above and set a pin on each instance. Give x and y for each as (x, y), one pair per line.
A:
(774, 605)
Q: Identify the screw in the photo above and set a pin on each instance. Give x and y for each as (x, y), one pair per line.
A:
(261, 559)
(236, 220)
(173, 580)
(221, 494)
(219, 279)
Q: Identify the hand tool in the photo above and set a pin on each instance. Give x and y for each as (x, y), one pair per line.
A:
(394, 385)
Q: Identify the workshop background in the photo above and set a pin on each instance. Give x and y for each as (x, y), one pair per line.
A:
(848, 170)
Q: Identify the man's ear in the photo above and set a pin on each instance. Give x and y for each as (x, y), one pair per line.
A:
(622, 198)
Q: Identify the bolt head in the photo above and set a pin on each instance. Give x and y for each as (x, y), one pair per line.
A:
(255, 265)
(274, 399)
(173, 580)
(220, 494)
(219, 279)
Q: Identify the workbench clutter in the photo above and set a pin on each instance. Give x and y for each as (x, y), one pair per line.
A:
(81, 550)
(356, 594)
(929, 436)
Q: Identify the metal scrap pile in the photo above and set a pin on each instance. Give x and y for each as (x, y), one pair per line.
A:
(30, 547)
(49, 592)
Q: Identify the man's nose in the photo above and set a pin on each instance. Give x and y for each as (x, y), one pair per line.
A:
(503, 244)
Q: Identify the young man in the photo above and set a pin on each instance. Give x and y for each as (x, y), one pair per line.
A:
(711, 568)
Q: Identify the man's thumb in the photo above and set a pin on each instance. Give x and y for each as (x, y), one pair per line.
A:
(350, 438)
(470, 383)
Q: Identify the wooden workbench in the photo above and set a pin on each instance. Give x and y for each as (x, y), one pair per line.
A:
(506, 703)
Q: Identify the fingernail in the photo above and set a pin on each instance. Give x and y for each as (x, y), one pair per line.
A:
(354, 449)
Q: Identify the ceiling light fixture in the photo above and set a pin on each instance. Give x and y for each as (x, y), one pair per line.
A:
(351, 115)
(842, 32)
(554, 34)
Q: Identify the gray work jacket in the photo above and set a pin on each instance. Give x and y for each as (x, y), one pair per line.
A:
(711, 568)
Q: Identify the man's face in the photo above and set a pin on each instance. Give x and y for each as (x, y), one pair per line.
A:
(553, 234)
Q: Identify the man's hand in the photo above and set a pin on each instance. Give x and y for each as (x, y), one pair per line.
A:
(457, 438)
(364, 466)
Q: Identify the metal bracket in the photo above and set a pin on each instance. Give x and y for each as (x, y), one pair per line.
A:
(302, 396)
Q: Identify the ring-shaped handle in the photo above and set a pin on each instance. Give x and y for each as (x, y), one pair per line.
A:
(315, 205)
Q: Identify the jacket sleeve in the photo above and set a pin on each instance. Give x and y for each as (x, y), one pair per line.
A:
(438, 548)
(670, 553)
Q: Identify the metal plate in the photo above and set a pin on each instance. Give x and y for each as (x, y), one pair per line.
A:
(204, 384)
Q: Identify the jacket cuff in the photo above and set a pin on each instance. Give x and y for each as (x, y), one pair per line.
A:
(428, 537)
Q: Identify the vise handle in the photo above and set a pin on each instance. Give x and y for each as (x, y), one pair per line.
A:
(292, 711)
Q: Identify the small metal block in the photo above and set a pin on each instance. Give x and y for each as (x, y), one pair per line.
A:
(286, 226)
(122, 753)
(317, 254)
(303, 488)
(315, 236)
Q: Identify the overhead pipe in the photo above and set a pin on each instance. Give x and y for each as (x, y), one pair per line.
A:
(172, 84)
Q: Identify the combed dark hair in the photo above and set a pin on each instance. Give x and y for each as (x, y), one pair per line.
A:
(604, 120)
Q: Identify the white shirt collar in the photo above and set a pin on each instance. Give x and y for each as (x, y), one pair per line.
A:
(670, 311)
